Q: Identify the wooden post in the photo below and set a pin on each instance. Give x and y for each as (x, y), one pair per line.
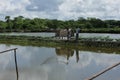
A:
(77, 34)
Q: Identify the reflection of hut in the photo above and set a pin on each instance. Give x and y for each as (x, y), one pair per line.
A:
(65, 52)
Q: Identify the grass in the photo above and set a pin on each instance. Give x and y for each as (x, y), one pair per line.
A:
(88, 45)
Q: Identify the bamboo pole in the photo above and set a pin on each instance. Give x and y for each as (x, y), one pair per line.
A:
(14, 58)
(16, 66)
(102, 72)
(8, 50)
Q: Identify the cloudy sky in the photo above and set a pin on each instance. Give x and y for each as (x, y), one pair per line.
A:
(61, 9)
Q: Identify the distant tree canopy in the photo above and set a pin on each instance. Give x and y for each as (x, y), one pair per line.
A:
(37, 24)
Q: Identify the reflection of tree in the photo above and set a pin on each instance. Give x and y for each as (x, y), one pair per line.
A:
(67, 52)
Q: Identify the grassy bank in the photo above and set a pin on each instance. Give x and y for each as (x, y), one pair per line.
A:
(94, 41)
(85, 44)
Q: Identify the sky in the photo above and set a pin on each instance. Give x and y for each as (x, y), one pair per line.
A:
(60, 9)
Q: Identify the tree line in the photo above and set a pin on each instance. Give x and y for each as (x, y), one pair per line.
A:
(22, 24)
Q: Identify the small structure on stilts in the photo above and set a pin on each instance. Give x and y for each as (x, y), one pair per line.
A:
(64, 34)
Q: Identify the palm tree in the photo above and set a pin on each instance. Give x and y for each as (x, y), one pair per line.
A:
(7, 18)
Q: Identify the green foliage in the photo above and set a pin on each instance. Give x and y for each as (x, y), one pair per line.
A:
(9, 23)
(37, 24)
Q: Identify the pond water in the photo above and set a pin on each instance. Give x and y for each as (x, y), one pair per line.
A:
(42, 34)
(84, 35)
(56, 63)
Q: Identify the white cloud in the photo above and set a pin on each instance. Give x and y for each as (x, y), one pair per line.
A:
(61, 9)
(90, 8)
(12, 7)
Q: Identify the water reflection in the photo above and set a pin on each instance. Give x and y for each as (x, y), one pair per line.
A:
(67, 52)
(43, 63)
(40, 63)
(15, 59)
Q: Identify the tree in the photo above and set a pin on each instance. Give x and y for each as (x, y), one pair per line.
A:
(97, 23)
(18, 23)
(3, 26)
(27, 26)
(52, 24)
(8, 21)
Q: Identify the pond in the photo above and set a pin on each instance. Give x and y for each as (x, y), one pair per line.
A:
(56, 63)
(48, 34)
(42, 34)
